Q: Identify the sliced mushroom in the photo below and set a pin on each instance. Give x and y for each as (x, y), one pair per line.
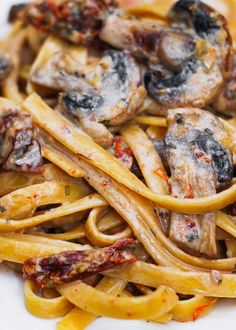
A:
(20, 151)
(201, 78)
(105, 93)
(188, 60)
(175, 49)
(139, 38)
(78, 21)
(149, 42)
(60, 73)
(226, 100)
(200, 164)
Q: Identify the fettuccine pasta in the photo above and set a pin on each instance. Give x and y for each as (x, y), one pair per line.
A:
(117, 158)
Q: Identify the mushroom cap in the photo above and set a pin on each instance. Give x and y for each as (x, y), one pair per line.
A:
(202, 76)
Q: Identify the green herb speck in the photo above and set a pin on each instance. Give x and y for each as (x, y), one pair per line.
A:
(39, 273)
(51, 260)
(2, 209)
(51, 284)
(105, 122)
(67, 190)
(233, 96)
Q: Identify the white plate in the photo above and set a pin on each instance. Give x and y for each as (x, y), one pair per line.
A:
(14, 316)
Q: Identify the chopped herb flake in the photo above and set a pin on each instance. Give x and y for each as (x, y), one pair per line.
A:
(67, 190)
(40, 273)
(105, 122)
(2, 209)
(233, 96)
(51, 260)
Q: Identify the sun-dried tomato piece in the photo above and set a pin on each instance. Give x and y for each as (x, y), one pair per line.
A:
(78, 21)
(70, 266)
(121, 151)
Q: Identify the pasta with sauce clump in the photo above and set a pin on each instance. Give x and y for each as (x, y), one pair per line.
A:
(117, 159)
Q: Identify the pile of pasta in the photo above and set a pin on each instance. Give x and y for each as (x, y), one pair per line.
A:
(97, 201)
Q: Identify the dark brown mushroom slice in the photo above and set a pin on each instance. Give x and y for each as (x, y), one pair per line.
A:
(137, 37)
(116, 95)
(107, 93)
(175, 49)
(203, 76)
(148, 41)
(200, 164)
(209, 25)
(226, 100)
(141, 39)
(204, 20)
(188, 60)
(221, 158)
(78, 21)
(80, 107)
(60, 73)
(20, 151)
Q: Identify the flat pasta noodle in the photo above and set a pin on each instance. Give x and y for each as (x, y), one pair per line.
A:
(99, 303)
(165, 318)
(43, 307)
(141, 228)
(51, 46)
(156, 132)
(231, 247)
(88, 202)
(193, 308)
(187, 283)
(151, 120)
(62, 161)
(24, 202)
(110, 220)
(79, 318)
(148, 159)
(35, 39)
(20, 247)
(98, 238)
(150, 165)
(225, 223)
(11, 181)
(157, 9)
